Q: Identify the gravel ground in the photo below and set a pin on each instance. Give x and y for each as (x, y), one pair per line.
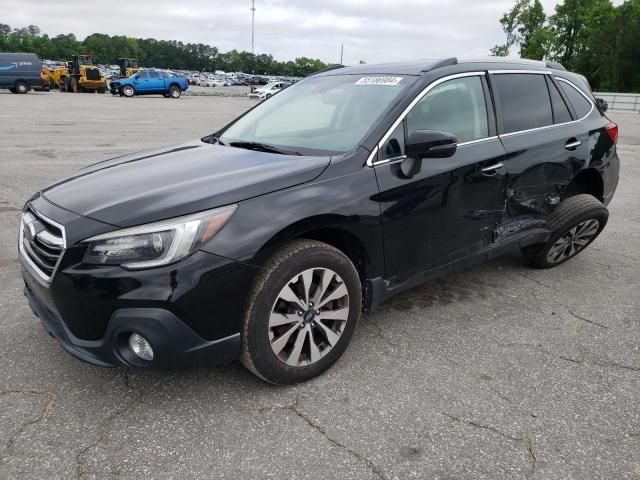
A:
(496, 372)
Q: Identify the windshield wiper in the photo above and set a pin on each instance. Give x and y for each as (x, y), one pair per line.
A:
(263, 147)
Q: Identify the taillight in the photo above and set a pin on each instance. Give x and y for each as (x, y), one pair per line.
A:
(612, 130)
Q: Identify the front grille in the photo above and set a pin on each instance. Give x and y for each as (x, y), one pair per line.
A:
(92, 74)
(42, 242)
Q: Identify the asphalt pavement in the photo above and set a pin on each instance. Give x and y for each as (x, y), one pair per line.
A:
(497, 372)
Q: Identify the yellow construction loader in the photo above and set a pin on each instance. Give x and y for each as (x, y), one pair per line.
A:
(83, 76)
(128, 66)
(54, 77)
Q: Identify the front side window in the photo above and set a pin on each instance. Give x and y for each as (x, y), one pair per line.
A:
(394, 146)
(524, 100)
(320, 115)
(142, 74)
(154, 75)
(580, 104)
(456, 106)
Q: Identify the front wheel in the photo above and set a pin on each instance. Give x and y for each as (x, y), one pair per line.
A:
(128, 91)
(302, 312)
(21, 87)
(574, 224)
(175, 91)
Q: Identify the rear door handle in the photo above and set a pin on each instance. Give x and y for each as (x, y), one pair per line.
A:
(572, 144)
(491, 169)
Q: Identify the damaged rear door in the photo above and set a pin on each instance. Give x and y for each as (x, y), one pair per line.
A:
(544, 146)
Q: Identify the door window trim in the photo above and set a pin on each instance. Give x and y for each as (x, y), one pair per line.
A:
(551, 73)
(371, 162)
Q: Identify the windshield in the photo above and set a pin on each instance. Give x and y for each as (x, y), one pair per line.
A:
(319, 115)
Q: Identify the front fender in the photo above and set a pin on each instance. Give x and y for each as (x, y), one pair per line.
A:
(263, 224)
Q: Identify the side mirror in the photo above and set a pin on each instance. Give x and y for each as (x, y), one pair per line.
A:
(430, 144)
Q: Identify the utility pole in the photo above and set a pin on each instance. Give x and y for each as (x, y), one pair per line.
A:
(341, 52)
(253, 21)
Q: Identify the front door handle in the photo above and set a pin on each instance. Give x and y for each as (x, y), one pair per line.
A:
(572, 144)
(491, 169)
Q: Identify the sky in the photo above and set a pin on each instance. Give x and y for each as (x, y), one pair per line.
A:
(371, 30)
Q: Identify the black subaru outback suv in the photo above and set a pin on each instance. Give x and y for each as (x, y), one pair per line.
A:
(267, 239)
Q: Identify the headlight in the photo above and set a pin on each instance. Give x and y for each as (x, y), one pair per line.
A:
(158, 243)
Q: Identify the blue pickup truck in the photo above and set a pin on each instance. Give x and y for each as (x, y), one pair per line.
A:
(147, 82)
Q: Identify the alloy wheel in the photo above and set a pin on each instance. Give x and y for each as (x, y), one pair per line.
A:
(573, 241)
(308, 317)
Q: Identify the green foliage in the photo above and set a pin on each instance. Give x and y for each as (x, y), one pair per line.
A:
(524, 25)
(151, 52)
(592, 37)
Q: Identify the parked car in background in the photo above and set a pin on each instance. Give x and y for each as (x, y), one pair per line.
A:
(21, 72)
(266, 240)
(149, 82)
(211, 82)
(269, 90)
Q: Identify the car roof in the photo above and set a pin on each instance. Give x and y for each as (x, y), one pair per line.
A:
(422, 66)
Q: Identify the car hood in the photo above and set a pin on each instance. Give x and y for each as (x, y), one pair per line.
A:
(158, 184)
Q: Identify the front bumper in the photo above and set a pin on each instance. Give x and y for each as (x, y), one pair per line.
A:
(174, 344)
(190, 311)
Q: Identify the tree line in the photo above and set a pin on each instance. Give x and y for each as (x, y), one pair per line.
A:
(592, 37)
(151, 52)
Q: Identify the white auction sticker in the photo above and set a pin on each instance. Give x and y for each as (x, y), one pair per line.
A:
(379, 81)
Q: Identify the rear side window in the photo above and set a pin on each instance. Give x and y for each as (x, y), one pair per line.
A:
(524, 100)
(580, 104)
(560, 111)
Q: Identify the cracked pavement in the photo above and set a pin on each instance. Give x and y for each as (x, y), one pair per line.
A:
(496, 372)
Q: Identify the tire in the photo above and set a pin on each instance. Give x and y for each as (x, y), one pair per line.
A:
(574, 224)
(273, 326)
(175, 91)
(268, 96)
(128, 91)
(12, 90)
(21, 87)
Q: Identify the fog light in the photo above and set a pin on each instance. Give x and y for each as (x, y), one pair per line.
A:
(141, 347)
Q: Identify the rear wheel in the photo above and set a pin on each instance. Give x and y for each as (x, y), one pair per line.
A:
(21, 87)
(303, 310)
(128, 91)
(175, 91)
(575, 223)
(74, 85)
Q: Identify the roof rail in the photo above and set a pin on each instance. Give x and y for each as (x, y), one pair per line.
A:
(328, 69)
(441, 63)
(555, 65)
